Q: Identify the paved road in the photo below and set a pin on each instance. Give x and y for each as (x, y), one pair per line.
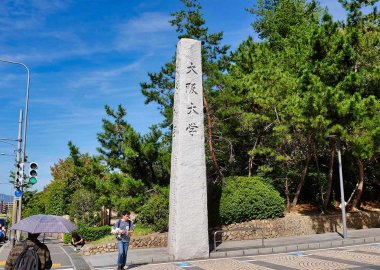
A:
(352, 257)
(64, 257)
(361, 250)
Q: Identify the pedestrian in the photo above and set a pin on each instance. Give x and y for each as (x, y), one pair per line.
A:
(30, 244)
(2, 233)
(122, 230)
(77, 241)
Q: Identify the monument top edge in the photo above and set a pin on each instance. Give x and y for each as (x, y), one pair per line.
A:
(189, 40)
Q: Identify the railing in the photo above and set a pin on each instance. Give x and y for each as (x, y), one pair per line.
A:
(238, 230)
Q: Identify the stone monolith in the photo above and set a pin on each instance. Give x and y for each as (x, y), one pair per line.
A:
(188, 225)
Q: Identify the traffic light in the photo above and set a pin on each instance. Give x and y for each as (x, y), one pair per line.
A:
(20, 172)
(33, 166)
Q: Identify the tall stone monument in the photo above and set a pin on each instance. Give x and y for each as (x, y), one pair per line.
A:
(188, 225)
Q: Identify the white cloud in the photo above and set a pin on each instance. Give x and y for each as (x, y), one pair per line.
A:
(104, 75)
(149, 30)
(16, 15)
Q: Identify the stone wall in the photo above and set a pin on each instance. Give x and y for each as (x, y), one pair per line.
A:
(290, 225)
(146, 241)
(296, 224)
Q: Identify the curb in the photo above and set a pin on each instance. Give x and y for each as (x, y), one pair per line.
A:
(296, 247)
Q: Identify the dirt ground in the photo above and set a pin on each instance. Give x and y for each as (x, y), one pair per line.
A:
(309, 209)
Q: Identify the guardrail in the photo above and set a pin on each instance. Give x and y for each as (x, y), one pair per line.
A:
(238, 230)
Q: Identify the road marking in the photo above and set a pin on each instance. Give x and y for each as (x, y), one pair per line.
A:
(183, 264)
(298, 254)
(56, 264)
(342, 261)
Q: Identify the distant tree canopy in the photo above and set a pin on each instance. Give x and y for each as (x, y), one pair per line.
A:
(274, 109)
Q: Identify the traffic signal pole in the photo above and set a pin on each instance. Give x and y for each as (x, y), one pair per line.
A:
(16, 210)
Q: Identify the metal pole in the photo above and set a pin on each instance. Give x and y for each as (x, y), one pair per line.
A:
(16, 211)
(26, 104)
(343, 202)
(23, 149)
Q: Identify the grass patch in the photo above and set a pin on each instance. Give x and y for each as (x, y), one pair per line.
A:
(140, 230)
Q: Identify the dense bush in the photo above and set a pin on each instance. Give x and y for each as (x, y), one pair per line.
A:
(89, 233)
(66, 238)
(155, 212)
(248, 198)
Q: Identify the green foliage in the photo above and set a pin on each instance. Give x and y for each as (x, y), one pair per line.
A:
(55, 204)
(155, 212)
(124, 149)
(120, 192)
(89, 233)
(33, 203)
(66, 238)
(248, 198)
(82, 207)
(141, 229)
(276, 107)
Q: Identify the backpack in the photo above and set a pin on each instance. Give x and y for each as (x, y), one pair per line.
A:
(28, 258)
(118, 237)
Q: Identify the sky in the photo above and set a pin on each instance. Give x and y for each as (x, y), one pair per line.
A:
(83, 55)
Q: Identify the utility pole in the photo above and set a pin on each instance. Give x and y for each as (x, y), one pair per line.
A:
(16, 210)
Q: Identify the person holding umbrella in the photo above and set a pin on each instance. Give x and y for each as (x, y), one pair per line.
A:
(31, 243)
(31, 254)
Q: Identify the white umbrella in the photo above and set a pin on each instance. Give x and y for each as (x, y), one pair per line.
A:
(44, 224)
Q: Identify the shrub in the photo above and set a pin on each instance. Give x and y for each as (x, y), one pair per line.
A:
(249, 198)
(155, 212)
(89, 233)
(66, 238)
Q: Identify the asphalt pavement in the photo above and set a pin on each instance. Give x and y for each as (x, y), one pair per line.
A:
(229, 253)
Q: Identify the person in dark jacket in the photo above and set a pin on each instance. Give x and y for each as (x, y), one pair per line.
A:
(77, 240)
(32, 241)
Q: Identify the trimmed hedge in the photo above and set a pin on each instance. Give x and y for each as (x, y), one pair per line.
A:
(89, 233)
(249, 198)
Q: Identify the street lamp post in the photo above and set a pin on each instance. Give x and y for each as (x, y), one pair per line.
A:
(26, 104)
(17, 212)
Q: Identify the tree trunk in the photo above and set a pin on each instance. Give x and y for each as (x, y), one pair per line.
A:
(252, 158)
(210, 143)
(330, 174)
(302, 181)
(303, 177)
(357, 193)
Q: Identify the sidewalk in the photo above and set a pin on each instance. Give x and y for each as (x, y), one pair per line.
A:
(64, 257)
(246, 247)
